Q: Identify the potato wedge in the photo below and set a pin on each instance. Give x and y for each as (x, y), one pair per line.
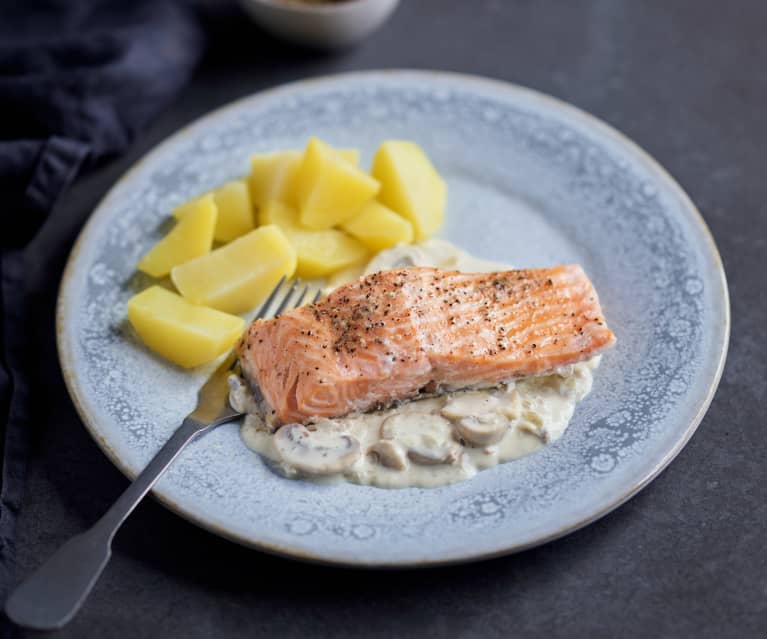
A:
(190, 238)
(184, 333)
(319, 253)
(235, 211)
(378, 227)
(330, 189)
(238, 276)
(273, 177)
(194, 204)
(279, 213)
(350, 155)
(410, 185)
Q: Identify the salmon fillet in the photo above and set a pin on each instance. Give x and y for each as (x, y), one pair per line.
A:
(396, 334)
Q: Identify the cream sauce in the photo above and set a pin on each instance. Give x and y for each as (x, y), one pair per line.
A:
(426, 442)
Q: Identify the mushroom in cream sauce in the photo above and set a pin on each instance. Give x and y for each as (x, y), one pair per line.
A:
(318, 450)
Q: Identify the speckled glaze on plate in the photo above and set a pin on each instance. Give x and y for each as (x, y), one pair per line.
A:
(532, 182)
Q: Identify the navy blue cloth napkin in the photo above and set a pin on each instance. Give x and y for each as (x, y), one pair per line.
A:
(78, 81)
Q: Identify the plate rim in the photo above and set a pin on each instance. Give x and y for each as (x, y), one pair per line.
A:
(66, 357)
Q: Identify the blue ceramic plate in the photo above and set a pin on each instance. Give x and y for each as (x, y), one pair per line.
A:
(532, 182)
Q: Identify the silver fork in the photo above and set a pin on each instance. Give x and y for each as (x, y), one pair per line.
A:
(52, 595)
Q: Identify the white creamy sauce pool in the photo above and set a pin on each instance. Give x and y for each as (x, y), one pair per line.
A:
(425, 442)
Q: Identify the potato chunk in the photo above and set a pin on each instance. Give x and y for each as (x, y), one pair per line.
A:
(410, 185)
(284, 216)
(378, 227)
(184, 333)
(190, 238)
(330, 189)
(324, 252)
(319, 253)
(235, 211)
(352, 156)
(238, 276)
(273, 177)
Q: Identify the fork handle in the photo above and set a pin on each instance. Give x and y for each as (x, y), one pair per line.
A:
(50, 597)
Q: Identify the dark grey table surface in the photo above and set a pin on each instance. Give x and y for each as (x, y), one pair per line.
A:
(685, 558)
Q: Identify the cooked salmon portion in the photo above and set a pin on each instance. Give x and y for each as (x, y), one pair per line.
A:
(396, 334)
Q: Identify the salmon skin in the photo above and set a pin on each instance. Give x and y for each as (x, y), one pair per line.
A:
(395, 335)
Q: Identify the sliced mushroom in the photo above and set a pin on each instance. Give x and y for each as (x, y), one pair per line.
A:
(564, 371)
(241, 396)
(511, 404)
(431, 455)
(389, 453)
(404, 262)
(427, 438)
(531, 422)
(402, 256)
(482, 430)
(470, 404)
(318, 452)
(256, 423)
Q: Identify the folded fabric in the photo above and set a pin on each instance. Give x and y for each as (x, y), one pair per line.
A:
(78, 81)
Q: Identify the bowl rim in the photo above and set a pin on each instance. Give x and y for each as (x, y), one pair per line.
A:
(307, 8)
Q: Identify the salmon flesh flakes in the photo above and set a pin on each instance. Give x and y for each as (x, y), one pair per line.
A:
(388, 336)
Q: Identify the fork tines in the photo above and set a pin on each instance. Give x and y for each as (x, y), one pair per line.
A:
(287, 302)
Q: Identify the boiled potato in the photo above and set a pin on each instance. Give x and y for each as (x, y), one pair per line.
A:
(319, 253)
(273, 175)
(239, 275)
(378, 227)
(190, 238)
(284, 216)
(204, 200)
(235, 211)
(410, 185)
(330, 189)
(350, 155)
(184, 333)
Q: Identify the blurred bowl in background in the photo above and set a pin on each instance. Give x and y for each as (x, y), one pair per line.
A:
(325, 25)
